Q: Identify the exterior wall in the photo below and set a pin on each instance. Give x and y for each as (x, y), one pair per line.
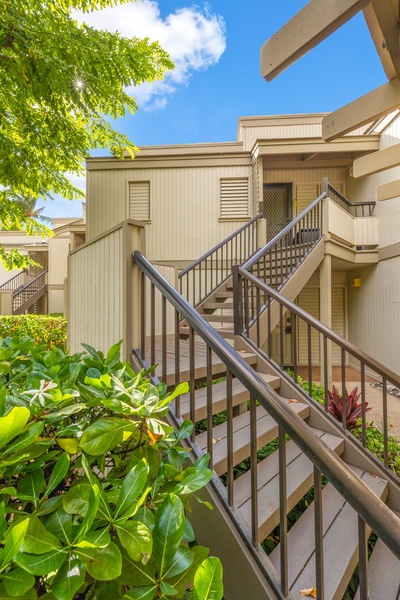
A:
(374, 314)
(279, 127)
(102, 283)
(374, 311)
(57, 272)
(184, 206)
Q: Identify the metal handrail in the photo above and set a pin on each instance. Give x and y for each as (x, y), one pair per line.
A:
(244, 324)
(363, 500)
(344, 202)
(282, 235)
(12, 284)
(199, 279)
(31, 286)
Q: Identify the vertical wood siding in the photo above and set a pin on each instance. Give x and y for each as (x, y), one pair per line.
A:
(185, 207)
(374, 311)
(95, 294)
(249, 135)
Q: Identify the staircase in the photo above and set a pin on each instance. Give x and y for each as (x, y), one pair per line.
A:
(27, 295)
(302, 492)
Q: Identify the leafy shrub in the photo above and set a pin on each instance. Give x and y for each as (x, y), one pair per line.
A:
(93, 486)
(352, 406)
(50, 330)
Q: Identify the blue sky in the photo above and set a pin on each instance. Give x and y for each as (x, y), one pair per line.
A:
(216, 48)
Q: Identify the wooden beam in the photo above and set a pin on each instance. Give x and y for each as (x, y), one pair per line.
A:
(387, 16)
(312, 24)
(377, 37)
(377, 161)
(386, 191)
(362, 111)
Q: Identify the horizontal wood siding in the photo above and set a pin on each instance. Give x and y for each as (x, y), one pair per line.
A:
(234, 198)
(95, 294)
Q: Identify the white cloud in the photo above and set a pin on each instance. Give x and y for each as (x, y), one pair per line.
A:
(194, 38)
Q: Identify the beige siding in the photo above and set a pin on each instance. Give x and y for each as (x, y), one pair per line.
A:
(365, 189)
(338, 320)
(139, 200)
(234, 198)
(104, 291)
(55, 300)
(185, 207)
(249, 135)
(308, 300)
(374, 311)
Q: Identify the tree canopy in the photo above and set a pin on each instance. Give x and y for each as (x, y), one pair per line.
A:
(61, 81)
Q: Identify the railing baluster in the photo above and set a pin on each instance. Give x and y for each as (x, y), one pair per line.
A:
(269, 327)
(164, 337)
(319, 535)
(293, 321)
(143, 315)
(363, 416)
(326, 374)
(209, 407)
(152, 325)
(363, 559)
(258, 317)
(283, 513)
(343, 367)
(253, 466)
(281, 335)
(229, 439)
(177, 364)
(192, 382)
(309, 359)
(385, 423)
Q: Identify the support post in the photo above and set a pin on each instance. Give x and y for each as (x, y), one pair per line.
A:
(325, 316)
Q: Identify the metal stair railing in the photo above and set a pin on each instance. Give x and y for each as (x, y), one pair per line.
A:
(14, 283)
(198, 280)
(356, 209)
(372, 512)
(24, 294)
(313, 331)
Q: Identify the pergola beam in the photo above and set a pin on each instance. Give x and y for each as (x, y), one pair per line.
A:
(377, 161)
(386, 191)
(315, 22)
(364, 110)
(377, 37)
(387, 16)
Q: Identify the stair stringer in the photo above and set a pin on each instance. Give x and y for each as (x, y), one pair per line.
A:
(291, 289)
(31, 300)
(353, 453)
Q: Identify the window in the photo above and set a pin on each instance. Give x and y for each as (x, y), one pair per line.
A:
(234, 198)
(139, 200)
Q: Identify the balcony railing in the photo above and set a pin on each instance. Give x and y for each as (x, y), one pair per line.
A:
(356, 209)
(16, 282)
(208, 272)
(23, 295)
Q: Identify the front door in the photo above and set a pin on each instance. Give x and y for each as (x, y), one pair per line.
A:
(277, 204)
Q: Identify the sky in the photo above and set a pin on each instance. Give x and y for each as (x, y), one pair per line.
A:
(215, 46)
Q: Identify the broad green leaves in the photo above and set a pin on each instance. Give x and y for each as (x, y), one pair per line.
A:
(94, 485)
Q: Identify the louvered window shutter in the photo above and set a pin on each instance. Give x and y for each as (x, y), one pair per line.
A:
(234, 198)
(139, 200)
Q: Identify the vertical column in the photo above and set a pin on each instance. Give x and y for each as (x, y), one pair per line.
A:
(133, 313)
(325, 316)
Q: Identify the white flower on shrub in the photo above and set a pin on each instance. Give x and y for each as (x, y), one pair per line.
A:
(42, 392)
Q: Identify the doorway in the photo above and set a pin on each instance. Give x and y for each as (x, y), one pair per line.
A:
(277, 207)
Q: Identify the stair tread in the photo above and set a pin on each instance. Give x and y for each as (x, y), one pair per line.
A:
(340, 527)
(239, 395)
(384, 574)
(267, 430)
(299, 480)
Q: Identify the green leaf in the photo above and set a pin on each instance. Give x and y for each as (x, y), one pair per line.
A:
(17, 582)
(103, 435)
(12, 424)
(59, 523)
(193, 481)
(70, 445)
(32, 485)
(167, 589)
(141, 593)
(137, 540)
(134, 484)
(69, 579)
(76, 501)
(185, 579)
(102, 564)
(58, 473)
(41, 564)
(15, 539)
(182, 560)
(28, 595)
(135, 573)
(26, 439)
(208, 580)
(37, 539)
(168, 531)
(95, 539)
(104, 509)
(90, 514)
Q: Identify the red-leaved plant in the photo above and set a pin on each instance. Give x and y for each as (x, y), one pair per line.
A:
(353, 407)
